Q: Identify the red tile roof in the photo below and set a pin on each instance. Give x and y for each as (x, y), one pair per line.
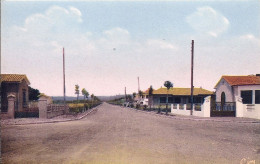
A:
(14, 78)
(241, 80)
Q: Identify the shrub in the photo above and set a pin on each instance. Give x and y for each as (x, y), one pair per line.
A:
(131, 105)
(86, 106)
(76, 108)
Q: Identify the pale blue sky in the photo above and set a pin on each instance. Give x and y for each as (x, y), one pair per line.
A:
(152, 40)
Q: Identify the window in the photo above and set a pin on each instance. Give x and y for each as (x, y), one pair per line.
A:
(223, 98)
(197, 100)
(177, 100)
(257, 96)
(162, 99)
(247, 96)
(24, 97)
(170, 99)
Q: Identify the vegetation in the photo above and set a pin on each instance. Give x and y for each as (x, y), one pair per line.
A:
(140, 93)
(33, 94)
(118, 101)
(134, 95)
(168, 85)
(77, 91)
(82, 105)
(85, 93)
(150, 94)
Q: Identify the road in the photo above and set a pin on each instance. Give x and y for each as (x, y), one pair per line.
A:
(120, 135)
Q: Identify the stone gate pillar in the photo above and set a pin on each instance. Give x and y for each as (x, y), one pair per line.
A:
(239, 107)
(11, 105)
(42, 105)
(206, 106)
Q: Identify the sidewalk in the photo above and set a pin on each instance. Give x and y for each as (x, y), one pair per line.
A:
(62, 118)
(195, 118)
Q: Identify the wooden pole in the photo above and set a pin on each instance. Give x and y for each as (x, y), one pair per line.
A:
(125, 94)
(64, 87)
(138, 84)
(192, 57)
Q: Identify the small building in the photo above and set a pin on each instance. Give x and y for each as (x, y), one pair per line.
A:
(240, 95)
(246, 87)
(17, 85)
(178, 95)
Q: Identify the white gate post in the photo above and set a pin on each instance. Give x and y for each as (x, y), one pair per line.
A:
(43, 107)
(206, 106)
(239, 107)
(11, 105)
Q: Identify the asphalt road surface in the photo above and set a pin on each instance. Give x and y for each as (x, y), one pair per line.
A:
(119, 135)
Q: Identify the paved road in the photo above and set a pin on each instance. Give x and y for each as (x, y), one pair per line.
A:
(114, 135)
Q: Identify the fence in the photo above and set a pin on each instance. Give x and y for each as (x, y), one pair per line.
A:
(54, 110)
(49, 110)
(228, 106)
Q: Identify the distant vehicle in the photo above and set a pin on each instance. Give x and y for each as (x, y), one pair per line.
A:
(143, 101)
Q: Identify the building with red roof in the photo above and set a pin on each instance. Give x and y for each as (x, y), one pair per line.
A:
(246, 87)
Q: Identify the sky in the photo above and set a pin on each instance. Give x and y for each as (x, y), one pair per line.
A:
(108, 44)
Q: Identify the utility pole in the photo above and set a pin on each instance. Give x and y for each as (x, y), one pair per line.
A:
(192, 56)
(138, 85)
(64, 87)
(125, 93)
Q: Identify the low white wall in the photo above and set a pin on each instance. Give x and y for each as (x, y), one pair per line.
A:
(180, 111)
(252, 111)
(247, 110)
(205, 109)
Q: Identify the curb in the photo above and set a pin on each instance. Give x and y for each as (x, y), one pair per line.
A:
(57, 121)
(170, 116)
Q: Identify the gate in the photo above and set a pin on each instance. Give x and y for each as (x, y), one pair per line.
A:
(29, 110)
(227, 109)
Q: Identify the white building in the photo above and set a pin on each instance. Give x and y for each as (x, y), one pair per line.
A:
(239, 89)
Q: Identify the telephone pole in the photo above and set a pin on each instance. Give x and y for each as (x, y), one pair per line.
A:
(138, 84)
(64, 87)
(125, 93)
(192, 57)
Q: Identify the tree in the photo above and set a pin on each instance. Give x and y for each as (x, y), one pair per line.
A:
(77, 91)
(150, 94)
(140, 93)
(134, 95)
(168, 85)
(129, 98)
(33, 94)
(96, 98)
(85, 93)
(92, 98)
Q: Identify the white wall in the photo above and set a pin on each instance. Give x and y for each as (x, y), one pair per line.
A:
(252, 111)
(205, 109)
(248, 87)
(247, 110)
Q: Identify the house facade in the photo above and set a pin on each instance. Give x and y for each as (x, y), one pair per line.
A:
(243, 90)
(246, 87)
(178, 95)
(17, 85)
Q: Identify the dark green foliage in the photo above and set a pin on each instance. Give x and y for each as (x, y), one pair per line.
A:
(168, 85)
(33, 94)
